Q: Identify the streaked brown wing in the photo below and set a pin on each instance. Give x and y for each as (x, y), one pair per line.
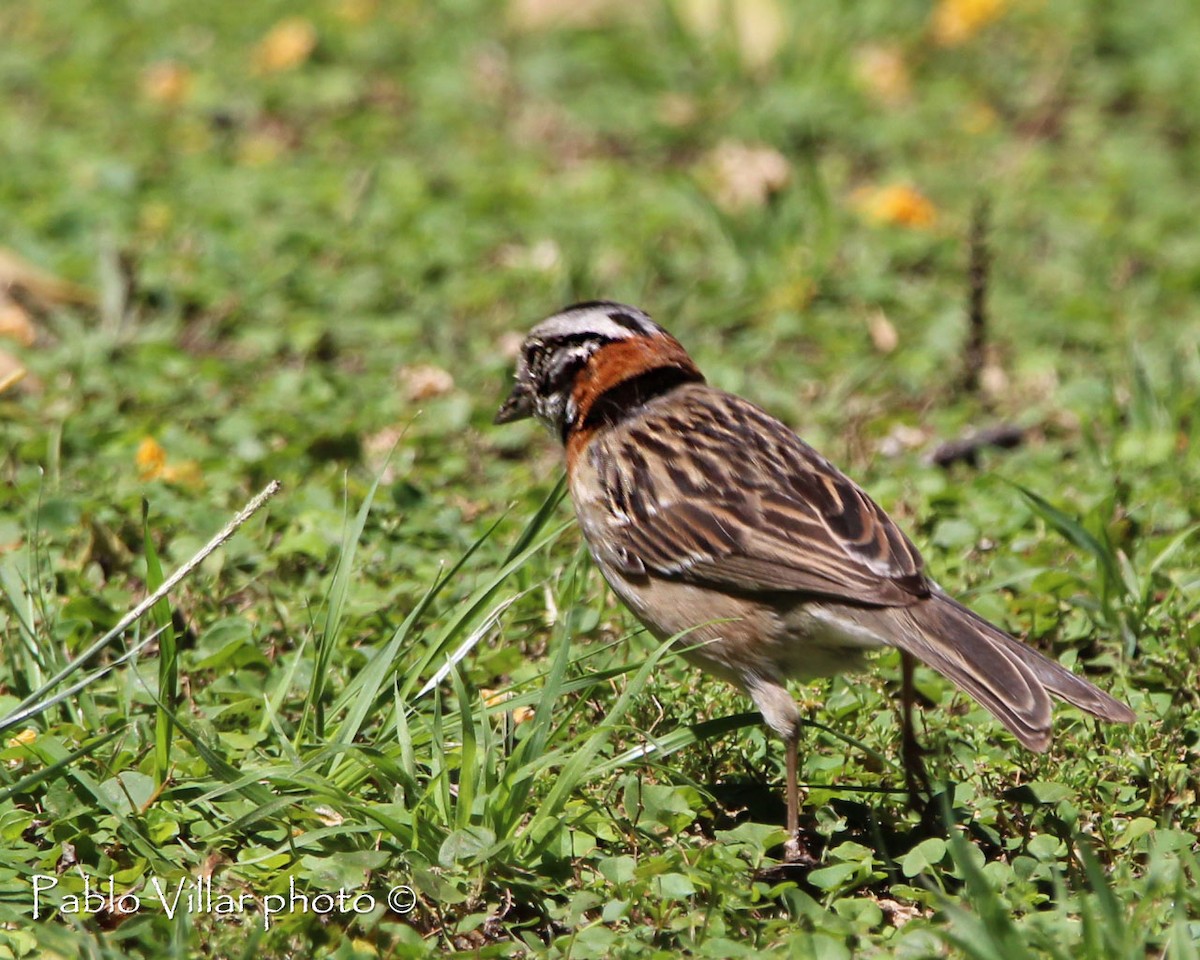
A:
(707, 488)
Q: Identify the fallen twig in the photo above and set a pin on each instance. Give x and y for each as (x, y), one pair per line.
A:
(966, 449)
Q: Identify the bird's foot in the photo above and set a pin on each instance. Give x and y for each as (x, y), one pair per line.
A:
(795, 863)
(796, 852)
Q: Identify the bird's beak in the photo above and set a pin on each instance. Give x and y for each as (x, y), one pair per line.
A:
(518, 406)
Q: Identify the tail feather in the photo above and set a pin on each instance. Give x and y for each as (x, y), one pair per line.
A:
(1008, 677)
(1054, 676)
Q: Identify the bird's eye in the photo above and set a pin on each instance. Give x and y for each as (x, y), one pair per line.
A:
(562, 368)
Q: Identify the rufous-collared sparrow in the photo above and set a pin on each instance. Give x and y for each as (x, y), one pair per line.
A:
(712, 520)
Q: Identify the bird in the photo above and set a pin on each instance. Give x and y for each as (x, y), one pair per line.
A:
(715, 524)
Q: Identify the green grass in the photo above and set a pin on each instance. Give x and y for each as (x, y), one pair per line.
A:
(405, 672)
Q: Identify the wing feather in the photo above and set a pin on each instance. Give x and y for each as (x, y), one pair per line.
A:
(712, 490)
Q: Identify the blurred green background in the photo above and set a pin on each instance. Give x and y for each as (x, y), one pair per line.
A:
(250, 241)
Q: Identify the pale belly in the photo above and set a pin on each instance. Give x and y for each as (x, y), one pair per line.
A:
(743, 640)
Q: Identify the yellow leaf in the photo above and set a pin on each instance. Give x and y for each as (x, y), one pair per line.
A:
(185, 474)
(357, 12)
(155, 217)
(151, 459)
(166, 82)
(286, 46)
(493, 698)
(954, 22)
(522, 715)
(24, 738)
(898, 205)
(761, 31)
(978, 118)
(259, 150)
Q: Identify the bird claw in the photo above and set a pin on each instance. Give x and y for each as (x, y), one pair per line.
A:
(796, 852)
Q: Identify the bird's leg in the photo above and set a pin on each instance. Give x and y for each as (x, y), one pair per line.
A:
(795, 850)
(911, 751)
(793, 789)
(783, 717)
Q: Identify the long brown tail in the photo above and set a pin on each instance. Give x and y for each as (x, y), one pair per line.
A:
(1009, 678)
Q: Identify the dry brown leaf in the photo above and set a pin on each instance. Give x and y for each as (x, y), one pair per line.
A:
(211, 862)
(530, 16)
(898, 913)
(15, 322)
(491, 75)
(493, 698)
(381, 452)
(882, 72)
(544, 256)
(758, 27)
(286, 46)
(12, 371)
(744, 175)
(902, 438)
(44, 289)
(993, 381)
(678, 110)
(424, 381)
(883, 334)
(167, 82)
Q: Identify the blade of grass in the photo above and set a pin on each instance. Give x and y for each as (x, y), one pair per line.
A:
(472, 608)
(275, 701)
(42, 706)
(335, 608)
(168, 664)
(20, 601)
(48, 772)
(467, 645)
(140, 610)
(573, 773)
(467, 773)
(1075, 533)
